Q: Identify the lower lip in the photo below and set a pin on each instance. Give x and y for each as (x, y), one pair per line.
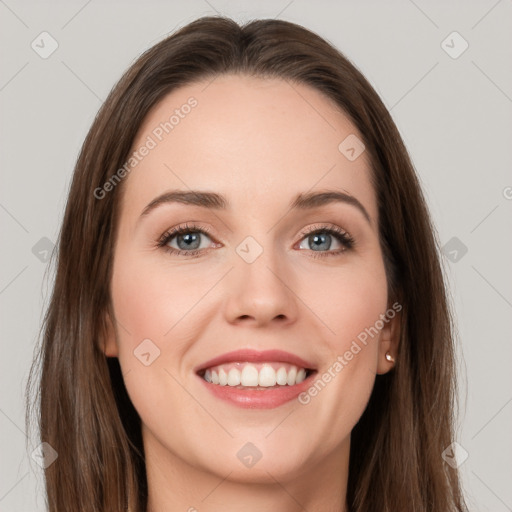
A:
(258, 398)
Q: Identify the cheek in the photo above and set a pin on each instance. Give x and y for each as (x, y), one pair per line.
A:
(151, 300)
(151, 311)
(347, 300)
(160, 313)
(350, 303)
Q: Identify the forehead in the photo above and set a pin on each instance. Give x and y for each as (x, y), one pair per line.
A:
(255, 140)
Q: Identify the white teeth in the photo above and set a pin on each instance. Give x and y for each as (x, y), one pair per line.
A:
(292, 374)
(301, 375)
(253, 375)
(249, 376)
(267, 377)
(233, 377)
(282, 376)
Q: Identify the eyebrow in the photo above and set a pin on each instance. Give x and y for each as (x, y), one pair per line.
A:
(214, 201)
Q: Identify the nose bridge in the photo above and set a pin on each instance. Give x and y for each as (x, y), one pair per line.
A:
(260, 285)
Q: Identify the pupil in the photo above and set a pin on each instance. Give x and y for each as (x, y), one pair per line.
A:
(189, 241)
(321, 239)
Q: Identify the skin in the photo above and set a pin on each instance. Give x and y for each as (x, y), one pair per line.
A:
(259, 143)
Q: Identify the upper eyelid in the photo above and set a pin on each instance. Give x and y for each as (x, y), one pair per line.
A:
(173, 232)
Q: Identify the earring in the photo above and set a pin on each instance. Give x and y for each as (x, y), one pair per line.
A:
(389, 357)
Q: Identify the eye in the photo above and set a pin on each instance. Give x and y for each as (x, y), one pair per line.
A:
(187, 238)
(320, 240)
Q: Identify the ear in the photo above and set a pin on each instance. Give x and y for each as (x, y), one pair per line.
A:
(389, 339)
(108, 337)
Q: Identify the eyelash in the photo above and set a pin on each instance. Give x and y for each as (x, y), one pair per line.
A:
(342, 236)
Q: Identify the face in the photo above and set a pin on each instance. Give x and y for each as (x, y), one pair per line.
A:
(295, 285)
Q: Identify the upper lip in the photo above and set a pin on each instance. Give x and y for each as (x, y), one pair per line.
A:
(249, 355)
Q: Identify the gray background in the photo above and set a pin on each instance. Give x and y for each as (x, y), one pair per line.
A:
(454, 115)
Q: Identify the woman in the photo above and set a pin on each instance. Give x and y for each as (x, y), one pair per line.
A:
(249, 311)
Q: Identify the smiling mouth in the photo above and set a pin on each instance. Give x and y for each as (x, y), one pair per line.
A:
(255, 376)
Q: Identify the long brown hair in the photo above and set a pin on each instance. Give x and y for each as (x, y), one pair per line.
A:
(85, 413)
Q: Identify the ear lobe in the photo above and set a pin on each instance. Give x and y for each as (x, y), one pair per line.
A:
(108, 337)
(389, 341)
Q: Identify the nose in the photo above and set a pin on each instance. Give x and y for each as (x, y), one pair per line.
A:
(261, 292)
